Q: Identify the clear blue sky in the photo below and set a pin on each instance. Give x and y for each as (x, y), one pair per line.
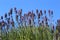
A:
(26, 5)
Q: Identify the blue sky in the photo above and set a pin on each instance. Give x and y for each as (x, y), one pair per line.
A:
(28, 5)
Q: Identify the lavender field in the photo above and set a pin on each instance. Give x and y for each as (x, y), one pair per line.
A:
(24, 27)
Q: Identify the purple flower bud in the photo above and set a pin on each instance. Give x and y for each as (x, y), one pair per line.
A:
(45, 11)
(51, 12)
(29, 21)
(15, 10)
(16, 17)
(37, 11)
(5, 15)
(38, 15)
(9, 14)
(12, 22)
(3, 23)
(29, 13)
(20, 12)
(41, 12)
(11, 11)
(22, 18)
(53, 27)
(1, 17)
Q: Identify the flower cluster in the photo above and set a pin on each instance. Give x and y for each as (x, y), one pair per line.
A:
(28, 19)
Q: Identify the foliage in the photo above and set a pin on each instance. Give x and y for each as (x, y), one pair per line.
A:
(28, 33)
